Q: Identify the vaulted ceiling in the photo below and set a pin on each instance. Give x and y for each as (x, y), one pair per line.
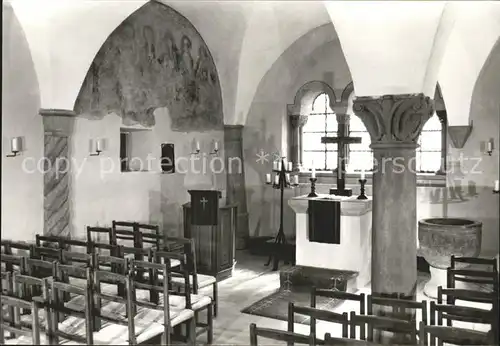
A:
(390, 48)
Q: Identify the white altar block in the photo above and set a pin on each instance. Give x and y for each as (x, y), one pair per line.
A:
(354, 252)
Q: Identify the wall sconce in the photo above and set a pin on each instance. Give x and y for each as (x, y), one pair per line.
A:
(98, 147)
(489, 147)
(216, 148)
(197, 148)
(15, 146)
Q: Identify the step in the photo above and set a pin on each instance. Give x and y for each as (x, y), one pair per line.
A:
(300, 278)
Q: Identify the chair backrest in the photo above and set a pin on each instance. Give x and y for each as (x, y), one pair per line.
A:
(106, 277)
(46, 253)
(124, 233)
(50, 241)
(454, 294)
(149, 235)
(440, 312)
(75, 245)
(13, 323)
(486, 264)
(474, 277)
(27, 287)
(96, 247)
(317, 314)
(154, 270)
(335, 294)
(189, 249)
(10, 263)
(21, 248)
(163, 257)
(404, 309)
(40, 268)
(437, 335)
(94, 234)
(370, 323)
(328, 340)
(60, 289)
(279, 335)
(77, 258)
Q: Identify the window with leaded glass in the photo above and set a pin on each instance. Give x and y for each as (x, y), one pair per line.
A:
(321, 122)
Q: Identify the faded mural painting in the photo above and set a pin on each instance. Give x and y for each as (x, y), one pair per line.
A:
(155, 58)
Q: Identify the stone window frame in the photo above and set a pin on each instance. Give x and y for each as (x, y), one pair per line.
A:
(297, 118)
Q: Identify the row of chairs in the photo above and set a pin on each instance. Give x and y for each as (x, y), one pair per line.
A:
(132, 235)
(397, 314)
(93, 284)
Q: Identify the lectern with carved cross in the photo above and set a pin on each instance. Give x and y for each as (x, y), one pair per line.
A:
(343, 140)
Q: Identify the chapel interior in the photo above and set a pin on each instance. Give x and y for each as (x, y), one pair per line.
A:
(250, 172)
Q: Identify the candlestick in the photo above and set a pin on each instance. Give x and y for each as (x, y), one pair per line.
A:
(313, 188)
(268, 178)
(362, 194)
(496, 189)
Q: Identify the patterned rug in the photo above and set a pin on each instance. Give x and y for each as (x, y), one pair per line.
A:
(275, 305)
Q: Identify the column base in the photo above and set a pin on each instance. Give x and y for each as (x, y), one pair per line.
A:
(438, 278)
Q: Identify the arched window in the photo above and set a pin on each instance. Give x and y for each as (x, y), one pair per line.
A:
(429, 152)
(321, 122)
(360, 154)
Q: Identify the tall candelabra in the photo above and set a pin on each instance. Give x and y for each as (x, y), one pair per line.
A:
(281, 181)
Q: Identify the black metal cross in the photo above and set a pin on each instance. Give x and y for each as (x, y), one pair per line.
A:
(343, 140)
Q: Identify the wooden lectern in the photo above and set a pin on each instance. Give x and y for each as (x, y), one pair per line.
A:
(212, 226)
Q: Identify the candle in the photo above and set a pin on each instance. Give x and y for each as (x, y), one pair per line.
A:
(363, 176)
(98, 145)
(275, 165)
(197, 146)
(288, 177)
(276, 179)
(290, 166)
(15, 144)
(497, 186)
(216, 146)
(313, 174)
(296, 179)
(268, 178)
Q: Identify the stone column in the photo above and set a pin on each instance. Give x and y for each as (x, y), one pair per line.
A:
(58, 127)
(236, 189)
(394, 123)
(297, 122)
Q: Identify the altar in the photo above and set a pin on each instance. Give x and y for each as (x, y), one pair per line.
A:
(353, 251)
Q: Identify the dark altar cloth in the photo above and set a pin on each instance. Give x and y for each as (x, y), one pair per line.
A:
(324, 221)
(204, 207)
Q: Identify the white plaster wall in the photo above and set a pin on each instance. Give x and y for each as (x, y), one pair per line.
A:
(479, 169)
(22, 182)
(103, 193)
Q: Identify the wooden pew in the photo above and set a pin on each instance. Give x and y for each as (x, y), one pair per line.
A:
(279, 335)
(317, 314)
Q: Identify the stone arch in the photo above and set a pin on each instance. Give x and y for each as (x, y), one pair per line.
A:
(306, 95)
(155, 58)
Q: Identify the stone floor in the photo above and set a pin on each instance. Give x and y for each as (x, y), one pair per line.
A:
(252, 281)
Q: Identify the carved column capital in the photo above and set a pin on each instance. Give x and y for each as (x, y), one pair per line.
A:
(394, 119)
(342, 118)
(298, 120)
